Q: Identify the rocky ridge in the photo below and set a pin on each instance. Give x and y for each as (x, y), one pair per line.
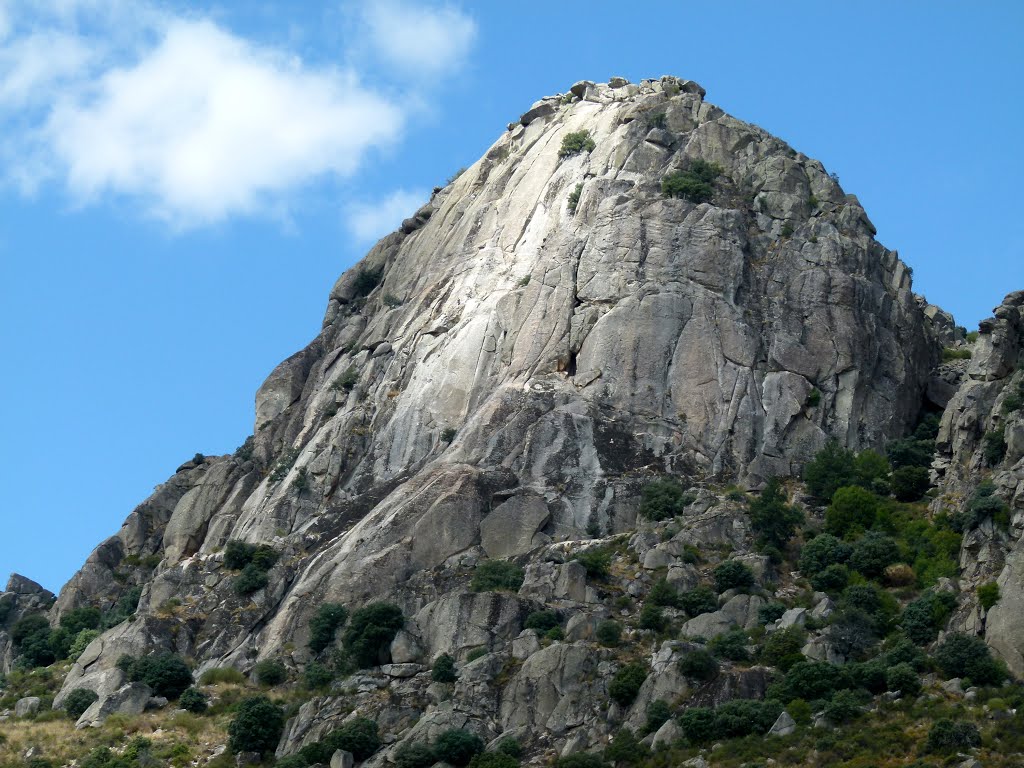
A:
(500, 378)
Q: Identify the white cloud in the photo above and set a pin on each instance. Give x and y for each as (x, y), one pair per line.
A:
(371, 221)
(208, 125)
(196, 124)
(422, 40)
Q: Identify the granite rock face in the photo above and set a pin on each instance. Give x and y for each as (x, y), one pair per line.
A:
(500, 377)
(981, 439)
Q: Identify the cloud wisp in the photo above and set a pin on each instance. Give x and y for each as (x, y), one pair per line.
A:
(369, 221)
(421, 41)
(183, 117)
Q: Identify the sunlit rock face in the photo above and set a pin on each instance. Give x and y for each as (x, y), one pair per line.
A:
(502, 373)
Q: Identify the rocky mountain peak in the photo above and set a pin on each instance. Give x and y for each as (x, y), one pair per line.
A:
(629, 285)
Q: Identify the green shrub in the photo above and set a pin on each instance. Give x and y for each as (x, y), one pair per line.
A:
(842, 708)
(510, 746)
(782, 648)
(652, 618)
(496, 575)
(956, 353)
(664, 594)
(414, 755)
(124, 609)
(988, 594)
(771, 518)
(348, 380)
(852, 631)
(853, 509)
(698, 724)
(732, 574)
(581, 760)
(80, 618)
(359, 736)
(79, 700)
(910, 452)
(769, 613)
(909, 483)
(370, 632)
(698, 601)
(542, 621)
(833, 579)
(625, 685)
(871, 468)
(873, 552)
(576, 142)
(694, 184)
(662, 499)
(238, 554)
(366, 280)
(810, 680)
(800, 711)
(270, 672)
(983, 505)
(596, 561)
(256, 726)
(251, 579)
(864, 597)
(968, 656)
(903, 677)
(743, 717)
(167, 674)
(658, 713)
(328, 618)
(870, 675)
(833, 467)
(574, 198)
(902, 650)
(821, 552)
(219, 675)
(994, 448)
(81, 642)
(493, 760)
(730, 645)
(31, 639)
(477, 653)
(609, 633)
(193, 700)
(625, 748)
(699, 665)
(952, 736)
(316, 676)
(444, 670)
(457, 747)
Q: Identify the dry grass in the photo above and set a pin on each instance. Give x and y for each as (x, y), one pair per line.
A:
(59, 741)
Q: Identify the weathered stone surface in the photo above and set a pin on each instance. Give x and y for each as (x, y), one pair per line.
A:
(510, 528)
(130, 699)
(26, 706)
(740, 611)
(541, 365)
(555, 690)
(459, 623)
(784, 725)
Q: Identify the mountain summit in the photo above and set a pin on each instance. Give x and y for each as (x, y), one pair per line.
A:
(631, 294)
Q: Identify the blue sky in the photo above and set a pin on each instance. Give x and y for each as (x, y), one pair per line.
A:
(182, 182)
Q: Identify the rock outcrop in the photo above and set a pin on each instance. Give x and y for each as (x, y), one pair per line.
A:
(500, 377)
(981, 440)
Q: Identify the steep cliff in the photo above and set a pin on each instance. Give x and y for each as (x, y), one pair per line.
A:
(630, 283)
